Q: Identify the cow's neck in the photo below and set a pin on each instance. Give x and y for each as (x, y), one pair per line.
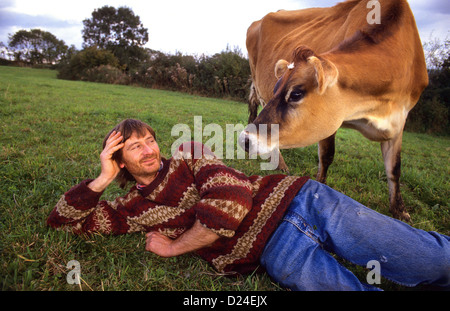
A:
(370, 91)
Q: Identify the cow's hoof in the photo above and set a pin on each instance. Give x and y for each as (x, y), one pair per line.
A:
(401, 215)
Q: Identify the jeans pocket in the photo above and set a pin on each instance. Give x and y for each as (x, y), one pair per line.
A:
(300, 223)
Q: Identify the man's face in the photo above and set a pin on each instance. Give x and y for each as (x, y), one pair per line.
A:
(141, 157)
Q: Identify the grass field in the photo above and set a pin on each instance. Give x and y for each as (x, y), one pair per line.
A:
(50, 139)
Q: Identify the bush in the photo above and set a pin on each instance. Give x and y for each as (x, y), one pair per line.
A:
(77, 67)
(105, 74)
(224, 74)
(431, 114)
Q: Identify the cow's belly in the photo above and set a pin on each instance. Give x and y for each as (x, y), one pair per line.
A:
(369, 129)
(378, 128)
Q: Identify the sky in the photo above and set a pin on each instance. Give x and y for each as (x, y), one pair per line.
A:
(192, 27)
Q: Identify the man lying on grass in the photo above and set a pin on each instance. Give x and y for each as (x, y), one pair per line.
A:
(288, 225)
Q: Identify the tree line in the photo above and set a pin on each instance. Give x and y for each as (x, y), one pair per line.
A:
(33, 47)
(431, 114)
(113, 52)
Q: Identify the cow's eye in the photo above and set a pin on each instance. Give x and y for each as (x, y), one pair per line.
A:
(296, 95)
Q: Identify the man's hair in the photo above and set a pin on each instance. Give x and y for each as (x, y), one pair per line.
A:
(127, 128)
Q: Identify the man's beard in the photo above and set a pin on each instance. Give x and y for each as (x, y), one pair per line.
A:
(141, 170)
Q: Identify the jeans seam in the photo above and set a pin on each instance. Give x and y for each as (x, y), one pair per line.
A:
(308, 233)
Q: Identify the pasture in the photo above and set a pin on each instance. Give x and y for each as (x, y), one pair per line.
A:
(50, 139)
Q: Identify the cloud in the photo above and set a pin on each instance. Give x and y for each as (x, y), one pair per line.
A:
(11, 22)
(8, 19)
(6, 4)
(431, 6)
(432, 18)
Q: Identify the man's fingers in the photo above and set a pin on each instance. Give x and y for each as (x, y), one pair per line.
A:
(117, 147)
(148, 240)
(114, 137)
(113, 141)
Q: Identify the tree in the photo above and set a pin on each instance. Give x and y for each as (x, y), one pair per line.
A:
(119, 31)
(432, 112)
(36, 47)
(4, 52)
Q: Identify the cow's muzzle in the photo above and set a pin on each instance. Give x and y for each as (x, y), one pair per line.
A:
(244, 141)
(254, 144)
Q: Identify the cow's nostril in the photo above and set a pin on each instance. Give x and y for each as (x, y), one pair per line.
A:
(245, 141)
(247, 144)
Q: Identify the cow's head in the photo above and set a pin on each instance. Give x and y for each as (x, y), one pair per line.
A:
(305, 105)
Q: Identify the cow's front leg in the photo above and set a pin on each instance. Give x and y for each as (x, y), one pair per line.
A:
(326, 156)
(391, 150)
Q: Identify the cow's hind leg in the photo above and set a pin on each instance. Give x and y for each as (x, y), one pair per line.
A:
(326, 155)
(391, 150)
(253, 104)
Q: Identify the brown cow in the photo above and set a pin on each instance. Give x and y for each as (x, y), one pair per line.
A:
(334, 68)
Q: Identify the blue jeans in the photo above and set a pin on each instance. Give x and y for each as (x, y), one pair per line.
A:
(321, 221)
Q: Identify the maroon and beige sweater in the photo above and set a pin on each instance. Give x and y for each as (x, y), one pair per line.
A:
(243, 211)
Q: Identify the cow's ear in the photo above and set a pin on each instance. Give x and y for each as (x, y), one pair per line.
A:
(280, 68)
(326, 73)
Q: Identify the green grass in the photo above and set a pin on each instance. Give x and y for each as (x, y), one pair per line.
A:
(50, 139)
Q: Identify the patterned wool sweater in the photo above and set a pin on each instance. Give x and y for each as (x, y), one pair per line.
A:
(193, 184)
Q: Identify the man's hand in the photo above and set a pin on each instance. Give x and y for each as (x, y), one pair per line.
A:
(159, 244)
(110, 168)
(193, 239)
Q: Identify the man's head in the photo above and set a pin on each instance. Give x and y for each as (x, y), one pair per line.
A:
(139, 160)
